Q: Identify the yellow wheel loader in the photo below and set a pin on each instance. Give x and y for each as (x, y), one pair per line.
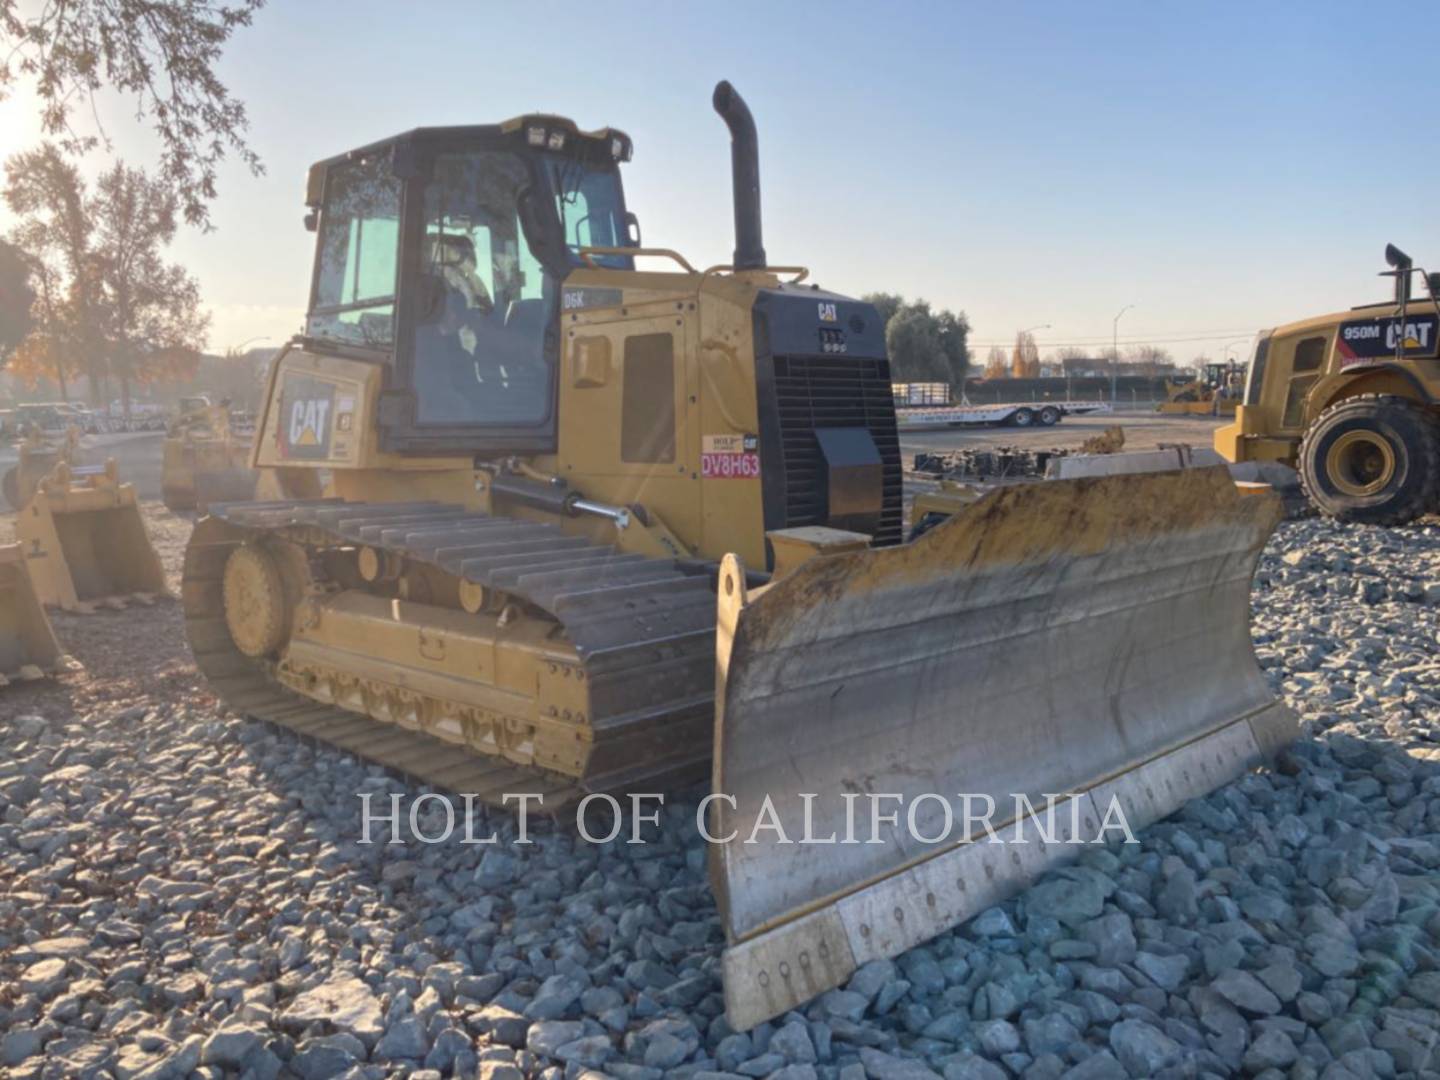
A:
(28, 648)
(85, 542)
(544, 522)
(1351, 400)
(203, 460)
(1212, 394)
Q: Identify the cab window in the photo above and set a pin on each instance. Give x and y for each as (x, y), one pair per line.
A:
(588, 202)
(1310, 354)
(354, 297)
(483, 300)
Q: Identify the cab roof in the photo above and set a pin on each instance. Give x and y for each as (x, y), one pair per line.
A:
(1378, 309)
(598, 140)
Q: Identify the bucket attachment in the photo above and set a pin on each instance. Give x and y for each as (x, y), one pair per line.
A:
(198, 472)
(85, 543)
(28, 648)
(1041, 644)
(20, 481)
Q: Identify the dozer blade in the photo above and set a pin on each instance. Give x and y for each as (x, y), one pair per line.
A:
(217, 486)
(85, 544)
(195, 474)
(1042, 642)
(28, 648)
(177, 476)
(19, 483)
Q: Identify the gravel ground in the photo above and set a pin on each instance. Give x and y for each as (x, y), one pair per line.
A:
(182, 894)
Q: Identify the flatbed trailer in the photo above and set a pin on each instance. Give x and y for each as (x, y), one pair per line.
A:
(1015, 414)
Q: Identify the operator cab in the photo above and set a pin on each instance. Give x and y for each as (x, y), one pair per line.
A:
(441, 252)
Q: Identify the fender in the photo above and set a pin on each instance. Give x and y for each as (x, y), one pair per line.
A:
(1377, 379)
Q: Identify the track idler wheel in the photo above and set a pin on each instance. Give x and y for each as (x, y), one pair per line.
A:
(257, 608)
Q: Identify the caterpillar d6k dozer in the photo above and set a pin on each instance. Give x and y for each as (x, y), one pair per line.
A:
(203, 460)
(515, 481)
(28, 648)
(85, 542)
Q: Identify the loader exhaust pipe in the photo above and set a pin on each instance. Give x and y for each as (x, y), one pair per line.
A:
(1400, 264)
(745, 175)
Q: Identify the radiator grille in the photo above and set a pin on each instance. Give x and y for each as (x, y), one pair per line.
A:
(825, 392)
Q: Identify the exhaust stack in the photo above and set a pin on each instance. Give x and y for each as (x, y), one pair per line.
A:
(1400, 264)
(745, 175)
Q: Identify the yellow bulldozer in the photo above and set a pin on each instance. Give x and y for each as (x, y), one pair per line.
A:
(1212, 393)
(204, 461)
(542, 521)
(28, 647)
(1351, 400)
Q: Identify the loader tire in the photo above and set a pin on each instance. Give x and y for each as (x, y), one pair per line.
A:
(1373, 459)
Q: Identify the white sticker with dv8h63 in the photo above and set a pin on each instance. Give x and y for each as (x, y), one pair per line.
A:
(729, 457)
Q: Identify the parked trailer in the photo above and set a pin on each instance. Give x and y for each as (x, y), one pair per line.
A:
(1018, 414)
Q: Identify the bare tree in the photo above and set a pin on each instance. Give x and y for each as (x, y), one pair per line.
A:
(44, 189)
(153, 318)
(1025, 358)
(1149, 360)
(161, 53)
(109, 302)
(47, 349)
(997, 364)
(16, 298)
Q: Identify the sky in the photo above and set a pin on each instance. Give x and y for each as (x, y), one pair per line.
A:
(1221, 167)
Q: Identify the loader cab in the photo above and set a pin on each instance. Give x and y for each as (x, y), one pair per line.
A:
(440, 254)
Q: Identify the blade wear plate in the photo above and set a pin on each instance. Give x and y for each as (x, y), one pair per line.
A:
(28, 646)
(1033, 645)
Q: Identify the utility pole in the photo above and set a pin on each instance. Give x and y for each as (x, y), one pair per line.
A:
(1115, 353)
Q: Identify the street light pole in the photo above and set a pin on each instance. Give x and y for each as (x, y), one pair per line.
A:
(1115, 353)
(1225, 355)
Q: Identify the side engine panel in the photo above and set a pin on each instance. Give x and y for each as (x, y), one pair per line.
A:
(319, 413)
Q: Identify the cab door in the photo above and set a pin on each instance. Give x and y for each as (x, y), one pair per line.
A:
(1302, 359)
(625, 417)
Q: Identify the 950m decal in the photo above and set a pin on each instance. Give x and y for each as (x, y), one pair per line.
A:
(1362, 340)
